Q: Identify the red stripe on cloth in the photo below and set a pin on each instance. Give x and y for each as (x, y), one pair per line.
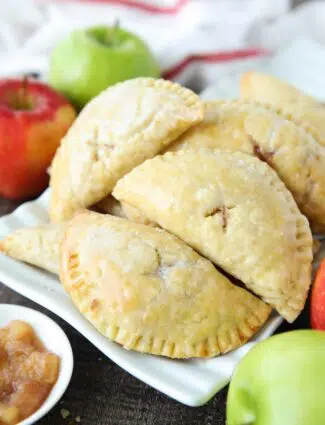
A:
(150, 8)
(225, 56)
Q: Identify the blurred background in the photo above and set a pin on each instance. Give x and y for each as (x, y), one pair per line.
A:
(78, 48)
(174, 29)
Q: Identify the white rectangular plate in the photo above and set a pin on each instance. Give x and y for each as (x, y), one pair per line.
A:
(191, 382)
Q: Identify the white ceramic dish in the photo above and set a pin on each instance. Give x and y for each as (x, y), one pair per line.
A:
(54, 340)
(190, 382)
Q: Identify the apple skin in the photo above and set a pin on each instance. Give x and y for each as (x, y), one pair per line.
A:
(85, 63)
(317, 301)
(29, 137)
(280, 381)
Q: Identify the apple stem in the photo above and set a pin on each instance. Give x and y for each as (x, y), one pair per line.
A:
(116, 27)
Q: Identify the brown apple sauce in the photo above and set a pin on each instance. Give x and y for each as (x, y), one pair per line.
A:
(27, 372)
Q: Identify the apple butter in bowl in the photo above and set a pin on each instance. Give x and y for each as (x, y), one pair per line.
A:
(28, 372)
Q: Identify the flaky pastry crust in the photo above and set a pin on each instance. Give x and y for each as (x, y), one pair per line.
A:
(289, 149)
(233, 209)
(150, 292)
(116, 131)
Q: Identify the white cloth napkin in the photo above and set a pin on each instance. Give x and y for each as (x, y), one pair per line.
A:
(196, 41)
(175, 29)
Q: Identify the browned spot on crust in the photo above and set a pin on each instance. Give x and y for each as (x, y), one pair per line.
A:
(94, 304)
(76, 286)
(73, 261)
(205, 351)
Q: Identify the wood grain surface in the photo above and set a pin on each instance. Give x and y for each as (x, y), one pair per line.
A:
(101, 393)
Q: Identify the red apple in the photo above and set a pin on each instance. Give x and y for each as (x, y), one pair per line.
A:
(317, 313)
(33, 120)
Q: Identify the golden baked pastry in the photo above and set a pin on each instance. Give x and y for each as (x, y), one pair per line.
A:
(149, 291)
(300, 107)
(288, 148)
(233, 209)
(133, 214)
(116, 131)
(38, 246)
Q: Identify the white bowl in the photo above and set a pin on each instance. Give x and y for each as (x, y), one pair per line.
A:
(55, 340)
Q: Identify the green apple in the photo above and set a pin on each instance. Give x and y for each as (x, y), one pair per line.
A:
(280, 381)
(89, 60)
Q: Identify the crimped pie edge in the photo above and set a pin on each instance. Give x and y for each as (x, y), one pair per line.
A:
(190, 99)
(236, 336)
(303, 234)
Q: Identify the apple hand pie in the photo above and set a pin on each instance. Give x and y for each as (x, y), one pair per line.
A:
(118, 130)
(150, 292)
(38, 246)
(233, 209)
(288, 148)
(303, 109)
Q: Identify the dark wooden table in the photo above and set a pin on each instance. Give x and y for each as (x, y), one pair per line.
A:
(101, 393)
